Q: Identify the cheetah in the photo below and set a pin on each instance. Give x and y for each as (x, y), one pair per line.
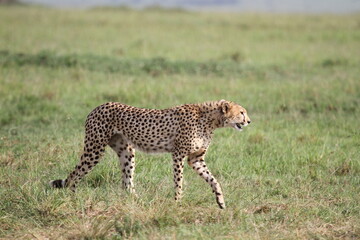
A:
(184, 131)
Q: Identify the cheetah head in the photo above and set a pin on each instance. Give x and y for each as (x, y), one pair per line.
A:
(234, 115)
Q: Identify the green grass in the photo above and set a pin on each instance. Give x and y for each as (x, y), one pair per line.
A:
(294, 173)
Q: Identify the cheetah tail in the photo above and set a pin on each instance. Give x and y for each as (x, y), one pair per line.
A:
(57, 183)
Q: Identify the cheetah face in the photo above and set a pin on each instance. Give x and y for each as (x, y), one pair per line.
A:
(234, 115)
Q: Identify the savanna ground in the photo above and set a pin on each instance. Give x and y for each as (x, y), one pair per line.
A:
(294, 173)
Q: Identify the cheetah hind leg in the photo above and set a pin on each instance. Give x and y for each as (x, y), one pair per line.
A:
(89, 159)
(126, 154)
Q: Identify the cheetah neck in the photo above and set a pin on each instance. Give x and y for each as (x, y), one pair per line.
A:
(211, 114)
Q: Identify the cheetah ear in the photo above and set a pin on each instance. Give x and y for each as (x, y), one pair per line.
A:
(224, 107)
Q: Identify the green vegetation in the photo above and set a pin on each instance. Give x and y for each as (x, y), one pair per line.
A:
(294, 173)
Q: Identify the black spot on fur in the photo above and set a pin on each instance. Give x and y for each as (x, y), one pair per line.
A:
(200, 155)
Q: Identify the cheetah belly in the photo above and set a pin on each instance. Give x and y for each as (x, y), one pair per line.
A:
(148, 142)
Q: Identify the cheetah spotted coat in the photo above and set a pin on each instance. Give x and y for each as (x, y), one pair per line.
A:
(184, 131)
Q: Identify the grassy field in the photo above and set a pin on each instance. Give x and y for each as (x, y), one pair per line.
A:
(294, 173)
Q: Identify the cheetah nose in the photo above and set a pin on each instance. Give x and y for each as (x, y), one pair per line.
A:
(249, 122)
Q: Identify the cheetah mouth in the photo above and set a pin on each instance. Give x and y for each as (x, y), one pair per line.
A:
(238, 126)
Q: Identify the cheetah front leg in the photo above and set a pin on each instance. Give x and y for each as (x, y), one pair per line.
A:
(197, 162)
(126, 154)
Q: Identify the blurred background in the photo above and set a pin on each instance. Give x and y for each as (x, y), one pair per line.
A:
(304, 6)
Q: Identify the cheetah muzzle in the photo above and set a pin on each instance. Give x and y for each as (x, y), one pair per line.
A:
(238, 126)
(184, 131)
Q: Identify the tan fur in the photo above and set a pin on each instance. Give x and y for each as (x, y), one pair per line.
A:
(184, 131)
